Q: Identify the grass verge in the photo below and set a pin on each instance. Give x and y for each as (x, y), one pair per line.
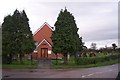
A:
(87, 66)
(18, 65)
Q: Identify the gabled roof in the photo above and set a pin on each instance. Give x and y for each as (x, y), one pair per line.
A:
(45, 41)
(42, 27)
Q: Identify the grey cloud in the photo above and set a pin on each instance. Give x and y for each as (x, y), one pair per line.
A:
(101, 35)
(95, 20)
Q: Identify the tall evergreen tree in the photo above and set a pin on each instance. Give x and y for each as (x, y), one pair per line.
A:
(27, 45)
(8, 39)
(24, 35)
(65, 37)
(17, 32)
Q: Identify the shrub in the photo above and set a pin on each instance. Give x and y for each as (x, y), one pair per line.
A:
(94, 60)
(57, 62)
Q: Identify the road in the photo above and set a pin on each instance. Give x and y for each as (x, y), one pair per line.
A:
(95, 72)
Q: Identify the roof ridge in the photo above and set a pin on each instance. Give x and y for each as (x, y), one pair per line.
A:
(45, 23)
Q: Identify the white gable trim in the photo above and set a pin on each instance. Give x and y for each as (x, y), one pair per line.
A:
(45, 41)
(42, 27)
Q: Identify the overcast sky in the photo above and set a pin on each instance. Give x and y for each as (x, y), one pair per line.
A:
(97, 21)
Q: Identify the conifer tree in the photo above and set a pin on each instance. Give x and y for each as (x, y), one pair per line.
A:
(8, 39)
(65, 37)
(27, 45)
(17, 37)
(24, 35)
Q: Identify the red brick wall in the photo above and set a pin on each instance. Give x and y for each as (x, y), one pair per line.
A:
(35, 55)
(43, 46)
(44, 33)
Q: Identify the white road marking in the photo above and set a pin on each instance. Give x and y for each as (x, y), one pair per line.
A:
(98, 73)
(90, 74)
(83, 76)
(110, 70)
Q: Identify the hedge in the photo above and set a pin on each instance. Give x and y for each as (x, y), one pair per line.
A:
(94, 60)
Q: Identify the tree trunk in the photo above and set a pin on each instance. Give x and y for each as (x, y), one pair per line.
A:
(9, 58)
(65, 58)
(21, 59)
(56, 59)
(31, 58)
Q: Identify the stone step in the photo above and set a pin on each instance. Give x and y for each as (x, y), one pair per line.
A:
(44, 63)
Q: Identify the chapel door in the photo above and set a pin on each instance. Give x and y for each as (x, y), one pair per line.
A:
(44, 53)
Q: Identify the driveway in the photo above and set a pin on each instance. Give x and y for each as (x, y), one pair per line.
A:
(95, 72)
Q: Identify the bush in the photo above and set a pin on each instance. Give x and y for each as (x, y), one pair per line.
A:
(57, 62)
(84, 60)
(94, 60)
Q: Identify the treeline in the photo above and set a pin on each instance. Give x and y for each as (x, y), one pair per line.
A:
(108, 50)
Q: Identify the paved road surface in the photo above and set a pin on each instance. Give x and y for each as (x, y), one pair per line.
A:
(96, 72)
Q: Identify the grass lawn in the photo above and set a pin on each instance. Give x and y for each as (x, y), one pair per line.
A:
(102, 61)
(18, 65)
(87, 62)
(86, 66)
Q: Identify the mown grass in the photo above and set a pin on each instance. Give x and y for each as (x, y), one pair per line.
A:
(18, 65)
(71, 64)
(87, 62)
(86, 66)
